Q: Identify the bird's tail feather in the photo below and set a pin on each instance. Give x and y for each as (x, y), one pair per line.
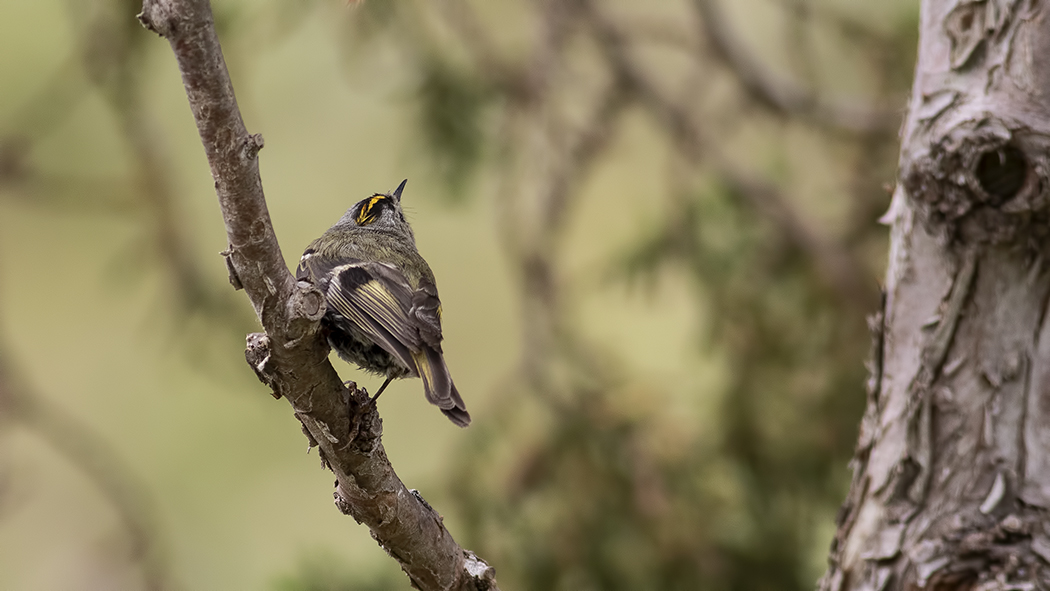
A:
(457, 414)
(438, 386)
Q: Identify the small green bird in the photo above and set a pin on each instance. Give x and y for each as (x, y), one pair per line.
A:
(383, 312)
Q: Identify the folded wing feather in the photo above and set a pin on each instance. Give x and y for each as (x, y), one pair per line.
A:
(405, 322)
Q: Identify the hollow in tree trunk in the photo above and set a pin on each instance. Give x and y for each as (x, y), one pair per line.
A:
(952, 471)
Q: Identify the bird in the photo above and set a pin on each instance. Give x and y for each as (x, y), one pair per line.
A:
(382, 312)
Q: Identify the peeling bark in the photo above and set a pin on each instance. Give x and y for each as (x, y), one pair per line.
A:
(951, 479)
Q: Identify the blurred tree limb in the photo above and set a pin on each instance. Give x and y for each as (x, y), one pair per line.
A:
(786, 297)
(99, 461)
(291, 357)
(108, 58)
(782, 284)
(527, 88)
(838, 266)
(778, 93)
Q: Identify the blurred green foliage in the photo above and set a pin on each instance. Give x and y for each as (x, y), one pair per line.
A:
(451, 118)
(593, 503)
(326, 571)
(586, 468)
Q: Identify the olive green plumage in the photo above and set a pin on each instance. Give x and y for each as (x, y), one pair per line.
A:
(383, 313)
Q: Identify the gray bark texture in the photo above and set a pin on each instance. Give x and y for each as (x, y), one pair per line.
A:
(951, 482)
(291, 357)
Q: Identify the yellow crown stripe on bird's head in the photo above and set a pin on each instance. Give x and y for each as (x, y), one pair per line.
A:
(366, 215)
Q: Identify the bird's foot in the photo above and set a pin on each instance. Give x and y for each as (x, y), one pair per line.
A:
(353, 408)
(372, 400)
(357, 409)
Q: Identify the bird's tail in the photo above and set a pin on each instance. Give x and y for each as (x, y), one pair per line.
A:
(438, 386)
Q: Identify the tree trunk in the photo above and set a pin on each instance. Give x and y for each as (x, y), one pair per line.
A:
(952, 470)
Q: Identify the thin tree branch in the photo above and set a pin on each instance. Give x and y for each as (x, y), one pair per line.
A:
(522, 117)
(291, 357)
(586, 145)
(837, 268)
(489, 59)
(780, 94)
(831, 16)
(664, 32)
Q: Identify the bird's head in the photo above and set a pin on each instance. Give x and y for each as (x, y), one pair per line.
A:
(381, 211)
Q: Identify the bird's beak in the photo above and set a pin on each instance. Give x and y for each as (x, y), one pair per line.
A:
(397, 192)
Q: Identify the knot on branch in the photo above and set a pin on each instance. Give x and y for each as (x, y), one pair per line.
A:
(252, 144)
(983, 181)
(483, 575)
(235, 279)
(157, 17)
(304, 309)
(257, 354)
(307, 302)
(366, 426)
(342, 504)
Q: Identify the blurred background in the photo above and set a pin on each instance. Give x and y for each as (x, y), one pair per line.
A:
(654, 227)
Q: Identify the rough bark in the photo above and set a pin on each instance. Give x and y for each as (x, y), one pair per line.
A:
(951, 478)
(290, 357)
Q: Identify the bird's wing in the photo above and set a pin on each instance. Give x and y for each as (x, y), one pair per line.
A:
(426, 312)
(377, 299)
(405, 322)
